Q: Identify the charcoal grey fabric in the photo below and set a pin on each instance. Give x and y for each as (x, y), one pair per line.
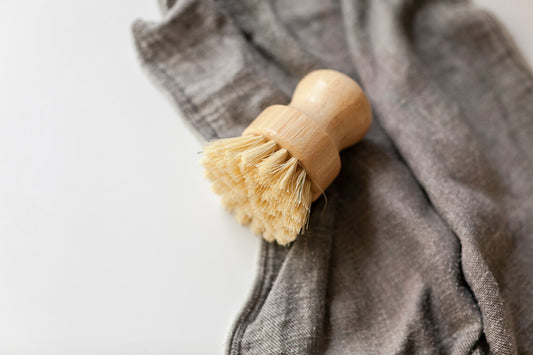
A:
(425, 244)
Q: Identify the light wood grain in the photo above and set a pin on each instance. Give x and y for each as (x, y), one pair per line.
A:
(329, 112)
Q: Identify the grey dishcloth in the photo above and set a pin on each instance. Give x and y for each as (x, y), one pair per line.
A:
(426, 242)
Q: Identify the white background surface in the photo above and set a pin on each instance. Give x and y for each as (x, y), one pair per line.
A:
(111, 242)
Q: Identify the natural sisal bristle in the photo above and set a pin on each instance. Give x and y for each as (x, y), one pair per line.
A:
(261, 184)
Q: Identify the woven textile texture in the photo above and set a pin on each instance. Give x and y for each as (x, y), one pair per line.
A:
(426, 242)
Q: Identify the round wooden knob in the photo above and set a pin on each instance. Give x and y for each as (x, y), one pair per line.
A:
(336, 103)
(328, 112)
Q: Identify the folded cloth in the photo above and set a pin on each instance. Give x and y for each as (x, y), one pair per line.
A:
(425, 244)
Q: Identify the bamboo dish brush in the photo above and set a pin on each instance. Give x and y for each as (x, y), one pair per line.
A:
(288, 155)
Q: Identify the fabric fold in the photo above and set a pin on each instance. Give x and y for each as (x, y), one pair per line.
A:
(425, 243)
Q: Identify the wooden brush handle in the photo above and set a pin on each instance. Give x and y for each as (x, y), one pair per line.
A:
(336, 103)
(328, 112)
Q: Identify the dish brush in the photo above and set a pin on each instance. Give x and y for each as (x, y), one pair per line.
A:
(288, 156)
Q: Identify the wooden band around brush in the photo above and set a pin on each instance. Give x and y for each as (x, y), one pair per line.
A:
(304, 139)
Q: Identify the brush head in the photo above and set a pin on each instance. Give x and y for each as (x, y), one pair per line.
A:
(262, 184)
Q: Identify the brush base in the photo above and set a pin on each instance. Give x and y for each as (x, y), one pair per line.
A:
(304, 139)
